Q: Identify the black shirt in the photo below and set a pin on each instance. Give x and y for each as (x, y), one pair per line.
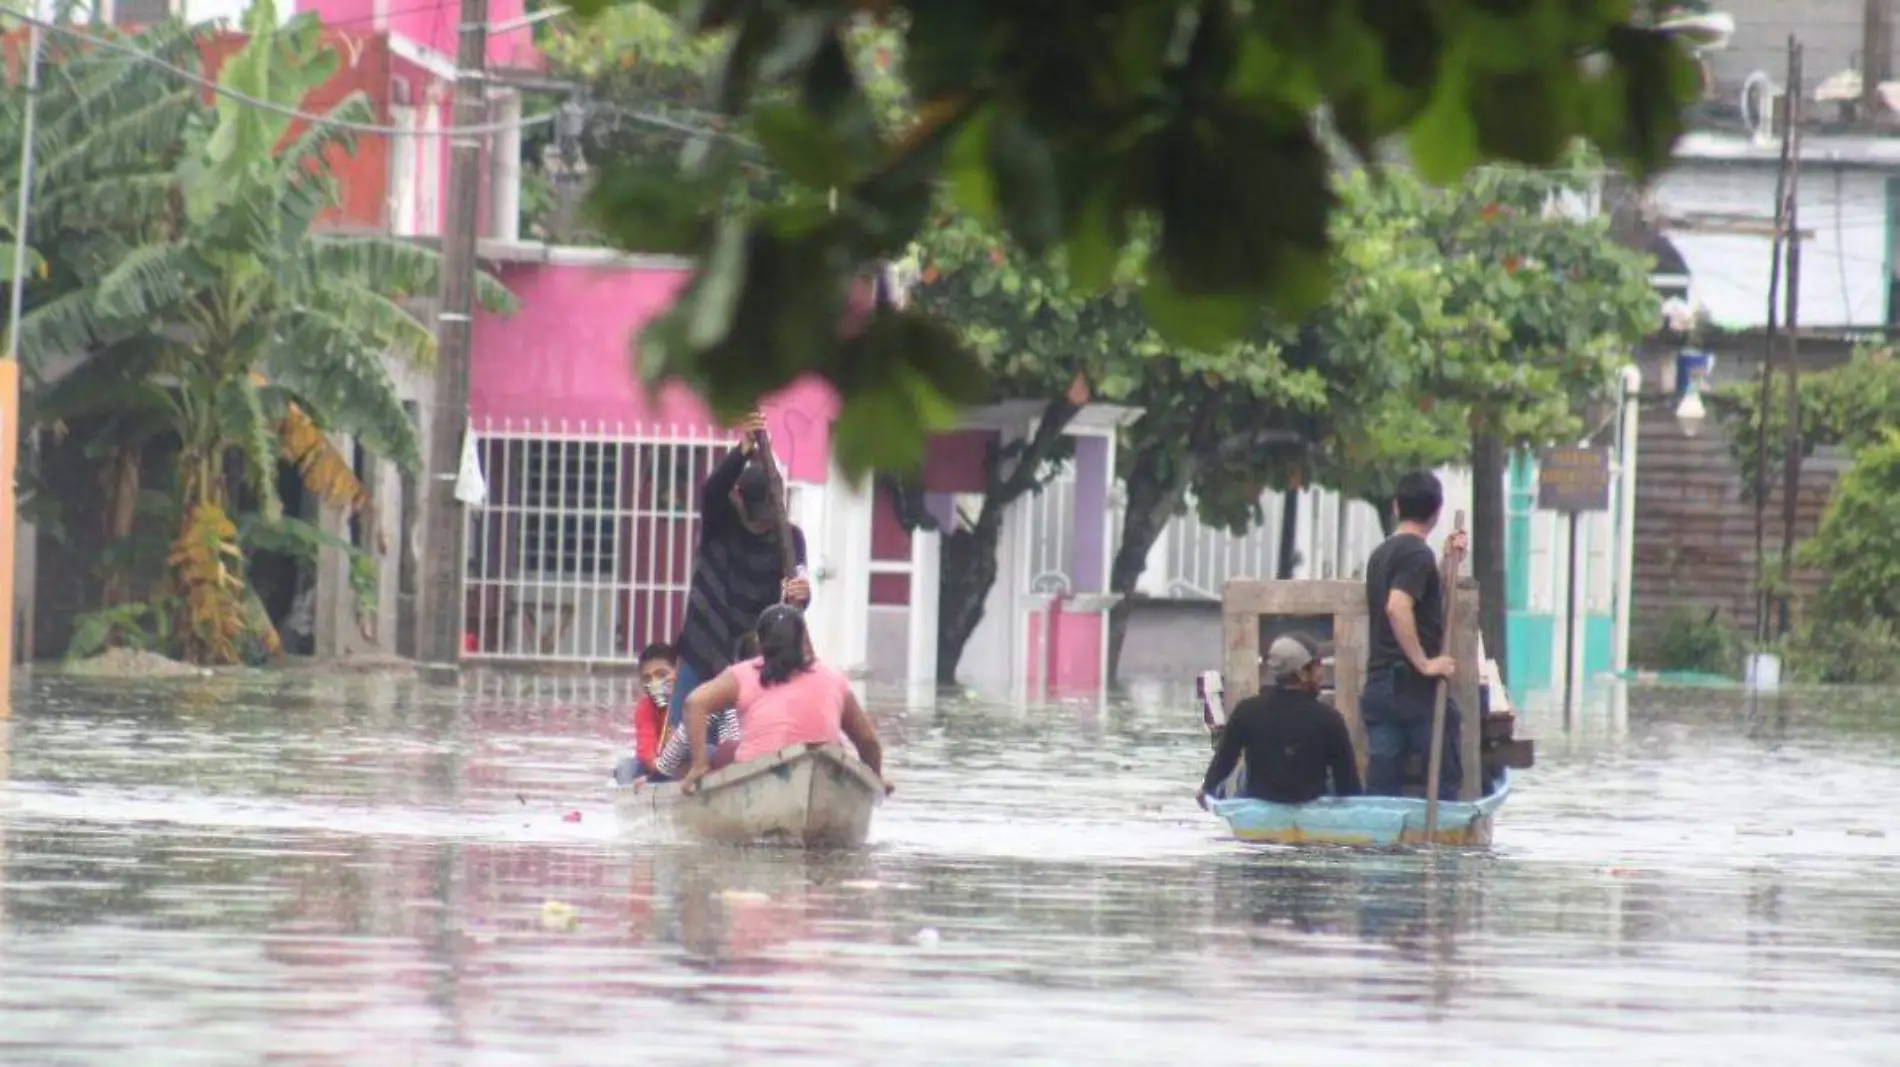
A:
(1291, 741)
(1404, 562)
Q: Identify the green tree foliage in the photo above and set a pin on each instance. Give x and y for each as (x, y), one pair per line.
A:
(1068, 127)
(107, 136)
(1449, 307)
(1850, 406)
(1848, 632)
(646, 94)
(227, 324)
(1856, 614)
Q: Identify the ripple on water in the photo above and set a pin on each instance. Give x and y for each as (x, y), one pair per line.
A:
(240, 872)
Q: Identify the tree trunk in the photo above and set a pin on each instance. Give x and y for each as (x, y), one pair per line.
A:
(1383, 509)
(1154, 497)
(120, 482)
(969, 570)
(1289, 535)
(1487, 539)
(969, 555)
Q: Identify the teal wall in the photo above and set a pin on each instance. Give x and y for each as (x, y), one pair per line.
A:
(1530, 666)
(1533, 668)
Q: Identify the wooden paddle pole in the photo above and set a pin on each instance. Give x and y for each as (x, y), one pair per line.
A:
(788, 552)
(1448, 580)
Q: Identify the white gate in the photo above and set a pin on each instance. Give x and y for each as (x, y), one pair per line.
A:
(584, 550)
(1047, 547)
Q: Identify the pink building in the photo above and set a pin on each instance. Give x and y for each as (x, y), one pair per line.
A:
(581, 552)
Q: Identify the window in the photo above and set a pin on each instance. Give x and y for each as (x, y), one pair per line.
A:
(403, 173)
(429, 172)
(570, 504)
(140, 13)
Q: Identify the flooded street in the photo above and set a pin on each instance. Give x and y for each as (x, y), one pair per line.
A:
(222, 871)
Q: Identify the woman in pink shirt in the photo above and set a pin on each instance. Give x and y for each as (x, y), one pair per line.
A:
(784, 697)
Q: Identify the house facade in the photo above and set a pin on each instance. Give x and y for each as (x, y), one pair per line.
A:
(582, 553)
(1714, 210)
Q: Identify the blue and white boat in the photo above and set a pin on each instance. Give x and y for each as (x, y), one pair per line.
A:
(1364, 821)
(1373, 822)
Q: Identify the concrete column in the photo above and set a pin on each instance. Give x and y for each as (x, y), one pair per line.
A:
(504, 181)
(926, 579)
(838, 543)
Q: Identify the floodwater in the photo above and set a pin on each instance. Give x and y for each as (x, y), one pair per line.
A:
(219, 871)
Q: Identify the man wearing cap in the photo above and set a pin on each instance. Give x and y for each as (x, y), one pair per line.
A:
(738, 570)
(1292, 741)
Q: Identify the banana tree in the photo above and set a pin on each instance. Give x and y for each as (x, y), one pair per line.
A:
(260, 334)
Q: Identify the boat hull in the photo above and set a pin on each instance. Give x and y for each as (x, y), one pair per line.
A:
(1362, 821)
(815, 796)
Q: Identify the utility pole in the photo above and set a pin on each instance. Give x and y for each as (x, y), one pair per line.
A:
(1791, 319)
(1876, 55)
(10, 367)
(1792, 92)
(442, 614)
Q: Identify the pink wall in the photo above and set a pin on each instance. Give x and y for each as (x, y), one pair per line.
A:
(953, 462)
(1071, 657)
(565, 355)
(890, 543)
(431, 24)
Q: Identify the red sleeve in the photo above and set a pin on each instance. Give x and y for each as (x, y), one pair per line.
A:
(646, 730)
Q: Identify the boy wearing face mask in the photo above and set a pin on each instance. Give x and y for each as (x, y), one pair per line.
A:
(659, 668)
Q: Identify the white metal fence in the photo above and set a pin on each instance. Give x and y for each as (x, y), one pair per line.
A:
(584, 550)
(1048, 547)
(1196, 559)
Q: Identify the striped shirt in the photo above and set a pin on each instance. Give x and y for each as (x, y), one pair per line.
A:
(677, 754)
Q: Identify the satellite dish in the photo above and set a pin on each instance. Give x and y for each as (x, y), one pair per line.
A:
(1707, 32)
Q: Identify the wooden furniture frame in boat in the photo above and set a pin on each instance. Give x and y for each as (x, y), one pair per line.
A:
(1250, 608)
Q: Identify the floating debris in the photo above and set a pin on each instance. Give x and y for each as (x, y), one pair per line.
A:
(556, 915)
(926, 937)
(743, 896)
(572, 816)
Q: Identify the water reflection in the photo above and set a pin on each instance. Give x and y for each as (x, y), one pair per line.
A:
(247, 871)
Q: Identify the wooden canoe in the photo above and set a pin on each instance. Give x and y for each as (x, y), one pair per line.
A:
(1361, 821)
(816, 796)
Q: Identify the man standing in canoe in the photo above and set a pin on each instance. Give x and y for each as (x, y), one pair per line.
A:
(1405, 602)
(738, 569)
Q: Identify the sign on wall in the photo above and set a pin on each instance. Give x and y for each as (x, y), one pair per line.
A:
(1572, 480)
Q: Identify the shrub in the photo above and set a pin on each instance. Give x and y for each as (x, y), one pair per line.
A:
(1687, 641)
(1858, 543)
(1843, 652)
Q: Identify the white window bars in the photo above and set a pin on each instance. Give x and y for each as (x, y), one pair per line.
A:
(584, 551)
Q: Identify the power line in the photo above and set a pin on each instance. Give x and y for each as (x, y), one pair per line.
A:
(265, 105)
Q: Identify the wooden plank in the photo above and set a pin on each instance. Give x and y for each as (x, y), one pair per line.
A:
(1294, 597)
(1351, 637)
(1462, 642)
(1241, 674)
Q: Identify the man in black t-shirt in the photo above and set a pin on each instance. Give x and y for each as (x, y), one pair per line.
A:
(1405, 602)
(1291, 740)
